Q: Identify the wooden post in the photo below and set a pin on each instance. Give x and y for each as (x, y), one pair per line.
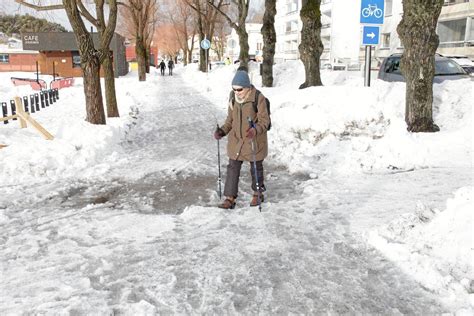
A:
(20, 110)
(25, 117)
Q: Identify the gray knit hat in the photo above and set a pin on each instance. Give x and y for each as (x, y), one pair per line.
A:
(242, 79)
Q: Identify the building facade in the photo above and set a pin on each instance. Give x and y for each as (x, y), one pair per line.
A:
(58, 53)
(341, 31)
(255, 41)
(17, 60)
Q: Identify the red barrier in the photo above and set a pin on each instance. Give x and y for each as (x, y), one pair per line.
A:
(35, 84)
(62, 83)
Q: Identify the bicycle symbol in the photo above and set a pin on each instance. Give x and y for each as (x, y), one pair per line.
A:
(372, 10)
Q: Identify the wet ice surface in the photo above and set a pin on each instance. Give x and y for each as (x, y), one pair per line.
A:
(148, 239)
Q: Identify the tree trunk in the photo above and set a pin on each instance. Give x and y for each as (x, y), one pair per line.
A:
(269, 40)
(311, 46)
(147, 60)
(140, 51)
(244, 46)
(110, 97)
(92, 91)
(90, 65)
(417, 31)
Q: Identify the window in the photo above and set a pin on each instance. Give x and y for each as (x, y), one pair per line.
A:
(292, 6)
(4, 58)
(385, 42)
(76, 59)
(291, 26)
(388, 7)
(470, 35)
(452, 31)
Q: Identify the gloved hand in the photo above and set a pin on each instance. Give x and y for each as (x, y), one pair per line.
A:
(251, 132)
(219, 133)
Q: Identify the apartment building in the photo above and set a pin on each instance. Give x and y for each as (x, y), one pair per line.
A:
(255, 40)
(455, 29)
(341, 30)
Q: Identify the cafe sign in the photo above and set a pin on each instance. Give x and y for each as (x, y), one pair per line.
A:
(30, 39)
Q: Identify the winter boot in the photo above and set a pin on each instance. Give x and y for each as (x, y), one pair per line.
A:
(254, 201)
(228, 204)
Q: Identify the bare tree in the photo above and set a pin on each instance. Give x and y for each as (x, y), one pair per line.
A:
(180, 14)
(141, 17)
(91, 58)
(206, 18)
(238, 24)
(311, 46)
(417, 31)
(269, 40)
(167, 40)
(105, 38)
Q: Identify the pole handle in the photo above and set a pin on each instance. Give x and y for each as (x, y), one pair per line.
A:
(249, 120)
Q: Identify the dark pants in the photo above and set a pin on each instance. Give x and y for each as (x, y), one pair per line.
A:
(231, 187)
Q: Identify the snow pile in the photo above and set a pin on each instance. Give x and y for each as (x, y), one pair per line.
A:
(436, 248)
(347, 127)
(79, 148)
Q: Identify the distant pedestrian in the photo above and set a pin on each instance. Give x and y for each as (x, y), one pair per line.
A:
(245, 143)
(227, 61)
(170, 67)
(162, 67)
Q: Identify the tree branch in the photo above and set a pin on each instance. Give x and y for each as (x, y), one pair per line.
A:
(229, 20)
(40, 7)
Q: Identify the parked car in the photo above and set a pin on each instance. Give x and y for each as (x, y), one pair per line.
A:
(445, 69)
(464, 62)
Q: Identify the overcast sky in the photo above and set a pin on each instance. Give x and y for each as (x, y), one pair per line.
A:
(59, 16)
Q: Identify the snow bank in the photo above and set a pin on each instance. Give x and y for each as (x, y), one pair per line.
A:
(347, 127)
(435, 248)
(79, 148)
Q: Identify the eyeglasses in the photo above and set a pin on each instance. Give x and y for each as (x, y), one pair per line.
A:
(237, 89)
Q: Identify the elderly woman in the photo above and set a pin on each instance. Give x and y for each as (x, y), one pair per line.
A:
(241, 135)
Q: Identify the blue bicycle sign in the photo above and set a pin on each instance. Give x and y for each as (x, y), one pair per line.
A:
(371, 11)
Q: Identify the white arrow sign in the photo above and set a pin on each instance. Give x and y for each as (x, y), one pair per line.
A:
(371, 35)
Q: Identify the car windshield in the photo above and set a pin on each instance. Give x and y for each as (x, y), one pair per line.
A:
(393, 65)
(448, 68)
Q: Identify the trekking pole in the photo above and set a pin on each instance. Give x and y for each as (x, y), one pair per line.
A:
(219, 179)
(254, 156)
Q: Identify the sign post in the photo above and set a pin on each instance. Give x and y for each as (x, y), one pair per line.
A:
(372, 13)
(206, 44)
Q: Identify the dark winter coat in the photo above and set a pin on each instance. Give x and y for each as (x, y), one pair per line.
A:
(170, 64)
(239, 147)
(162, 65)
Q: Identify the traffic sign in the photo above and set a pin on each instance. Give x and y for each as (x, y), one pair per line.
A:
(372, 11)
(205, 44)
(370, 35)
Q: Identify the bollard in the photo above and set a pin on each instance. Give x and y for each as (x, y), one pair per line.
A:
(37, 102)
(25, 104)
(13, 107)
(57, 93)
(50, 95)
(53, 93)
(46, 98)
(5, 111)
(32, 103)
(42, 99)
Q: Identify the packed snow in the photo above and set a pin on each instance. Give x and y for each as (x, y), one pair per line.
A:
(362, 216)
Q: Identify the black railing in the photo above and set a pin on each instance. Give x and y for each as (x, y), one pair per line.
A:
(32, 103)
